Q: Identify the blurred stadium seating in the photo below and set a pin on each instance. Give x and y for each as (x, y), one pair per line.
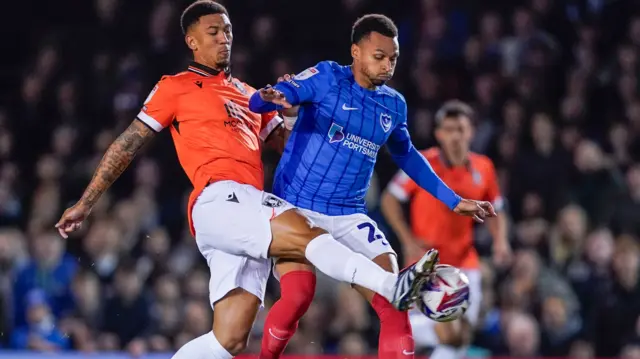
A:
(556, 91)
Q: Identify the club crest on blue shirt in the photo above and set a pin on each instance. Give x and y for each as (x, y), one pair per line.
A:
(335, 133)
(385, 121)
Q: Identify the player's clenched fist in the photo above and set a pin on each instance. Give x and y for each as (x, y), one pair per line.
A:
(270, 94)
(72, 219)
(292, 112)
(286, 77)
(476, 209)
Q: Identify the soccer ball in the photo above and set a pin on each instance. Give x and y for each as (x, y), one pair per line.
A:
(445, 296)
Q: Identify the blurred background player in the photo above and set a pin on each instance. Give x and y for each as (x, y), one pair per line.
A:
(346, 114)
(432, 225)
(237, 225)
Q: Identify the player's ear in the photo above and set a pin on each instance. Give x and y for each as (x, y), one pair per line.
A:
(468, 127)
(472, 131)
(355, 51)
(438, 135)
(191, 42)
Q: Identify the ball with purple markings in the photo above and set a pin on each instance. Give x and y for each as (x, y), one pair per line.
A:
(445, 296)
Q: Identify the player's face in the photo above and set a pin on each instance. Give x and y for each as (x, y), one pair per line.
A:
(455, 134)
(210, 39)
(376, 57)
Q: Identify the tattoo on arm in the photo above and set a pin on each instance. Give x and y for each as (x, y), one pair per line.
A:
(278, 138)
(116, 160)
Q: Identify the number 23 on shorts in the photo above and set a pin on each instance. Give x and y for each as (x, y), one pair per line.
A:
(372, 236)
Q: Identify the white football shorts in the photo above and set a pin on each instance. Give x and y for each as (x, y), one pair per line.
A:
(233, 233)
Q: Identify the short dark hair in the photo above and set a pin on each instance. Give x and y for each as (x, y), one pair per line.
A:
(453, 108)
(364, 26)
(198, 9)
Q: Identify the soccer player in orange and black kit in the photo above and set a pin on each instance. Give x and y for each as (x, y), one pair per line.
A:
(432, 225)
(238, 227)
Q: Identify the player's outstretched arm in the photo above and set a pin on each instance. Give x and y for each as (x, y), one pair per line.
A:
(419, 169)
(309, 86)
(117, 158)
(113, 163)
(278, 138)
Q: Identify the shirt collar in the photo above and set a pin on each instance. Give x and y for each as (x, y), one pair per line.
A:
(445, 161)
(206, 71)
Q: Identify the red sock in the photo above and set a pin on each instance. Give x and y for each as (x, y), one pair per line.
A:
(296, 293)
(396, 338)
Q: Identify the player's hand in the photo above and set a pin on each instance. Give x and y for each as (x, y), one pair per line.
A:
(293, 111)
(72, 219)
(502, 255)
(270, 94)
(478, 210)
(286, 77)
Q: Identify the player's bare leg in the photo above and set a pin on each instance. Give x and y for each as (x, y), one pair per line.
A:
(294, 237)
(396, 340)
(233, 317)
(453, 339)
(297, 288)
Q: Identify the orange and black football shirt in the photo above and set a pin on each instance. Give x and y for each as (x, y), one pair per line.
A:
(216, 136)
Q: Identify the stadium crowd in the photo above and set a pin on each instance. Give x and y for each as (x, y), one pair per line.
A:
(555, 88)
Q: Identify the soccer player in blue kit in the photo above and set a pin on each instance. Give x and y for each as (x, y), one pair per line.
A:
(345, 114)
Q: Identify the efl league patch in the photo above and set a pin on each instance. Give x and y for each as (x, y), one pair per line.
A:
(335, 133)
(239, 86)
(272, 201)
(153, 92)
(385, 121)
(311, 71)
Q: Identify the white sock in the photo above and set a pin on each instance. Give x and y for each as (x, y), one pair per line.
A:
(203, 347)
(339, 262)
(444, 352)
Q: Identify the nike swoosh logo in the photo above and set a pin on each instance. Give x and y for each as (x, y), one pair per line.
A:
(405, 352)
(344, 107)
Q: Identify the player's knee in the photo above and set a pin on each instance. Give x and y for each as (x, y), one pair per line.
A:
(234, 340)
(306, 237)
(292, 233)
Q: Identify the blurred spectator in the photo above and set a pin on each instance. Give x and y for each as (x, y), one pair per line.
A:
(615, 315)
(40, 332)
(522, 336)
(566, 240)
(49, 270)
(126, 313)
(559, 328)
(623, 218)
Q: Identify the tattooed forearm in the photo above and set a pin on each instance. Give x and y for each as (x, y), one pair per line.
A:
(278, 138)
(116, 160)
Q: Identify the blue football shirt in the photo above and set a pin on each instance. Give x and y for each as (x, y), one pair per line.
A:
(329, 159)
